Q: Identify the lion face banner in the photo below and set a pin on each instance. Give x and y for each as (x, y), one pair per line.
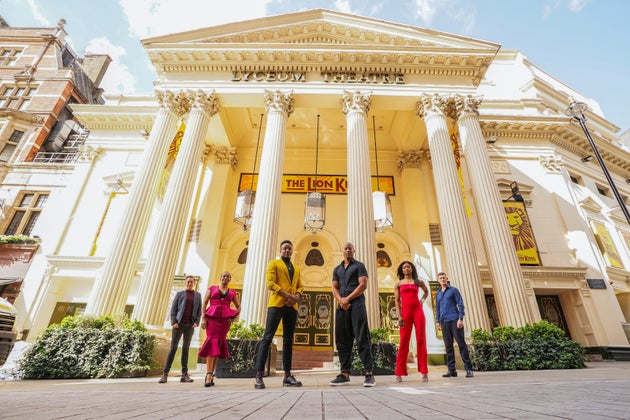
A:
(522, 233)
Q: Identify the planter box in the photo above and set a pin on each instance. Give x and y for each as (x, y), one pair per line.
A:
(383, 357)
(241, 363)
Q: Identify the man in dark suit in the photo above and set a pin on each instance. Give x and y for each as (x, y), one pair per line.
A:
(185, 316)
(285, 283)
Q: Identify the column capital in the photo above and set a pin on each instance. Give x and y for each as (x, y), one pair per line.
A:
(88, 153)
(176, 102)
(224, 155)
(467, 105)
(277, 100)
(205, 102)
(410, 159)
(434, 104)
(356, 101)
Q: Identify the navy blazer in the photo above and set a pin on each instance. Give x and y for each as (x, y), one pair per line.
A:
(179, 303)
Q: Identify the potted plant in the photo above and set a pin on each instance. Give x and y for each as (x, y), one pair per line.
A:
(243, 345)
(383, 354)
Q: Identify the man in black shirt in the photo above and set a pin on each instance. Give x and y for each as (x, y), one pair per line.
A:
(351, 322)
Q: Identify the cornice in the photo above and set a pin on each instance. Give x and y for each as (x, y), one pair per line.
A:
(115, 120)
(559, 132)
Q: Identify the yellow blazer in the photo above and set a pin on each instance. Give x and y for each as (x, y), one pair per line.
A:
(278, 279)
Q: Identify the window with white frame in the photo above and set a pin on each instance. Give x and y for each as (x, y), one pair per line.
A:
(16, 96)
(10, 146)
(25, 212)
(9, 55)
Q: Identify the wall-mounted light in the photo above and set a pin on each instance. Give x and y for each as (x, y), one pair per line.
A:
(492, 139)
(145, 133)
(587, 158)
(516, 193)
(244, 211)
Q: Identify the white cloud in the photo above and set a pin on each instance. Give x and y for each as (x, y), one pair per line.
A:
(577, 5)
(148, 18)
(118, 78)
(426, 10)
(37, 14)
(344, 6)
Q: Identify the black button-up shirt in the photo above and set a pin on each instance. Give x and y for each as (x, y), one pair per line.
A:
(348, 278)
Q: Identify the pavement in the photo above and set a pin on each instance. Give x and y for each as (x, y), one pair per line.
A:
(601, 391)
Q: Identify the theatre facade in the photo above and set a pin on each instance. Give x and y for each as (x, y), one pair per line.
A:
(484, 172)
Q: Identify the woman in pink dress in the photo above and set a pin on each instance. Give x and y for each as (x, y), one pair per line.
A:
(216, 321)
(409, 308)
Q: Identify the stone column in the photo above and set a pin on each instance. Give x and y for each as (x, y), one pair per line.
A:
(111, 289)
(263, 240)
(157, 279)
(505, 270)
(458, 244)
(361, 227)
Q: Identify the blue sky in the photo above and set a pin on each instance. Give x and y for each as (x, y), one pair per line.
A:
(583, 43)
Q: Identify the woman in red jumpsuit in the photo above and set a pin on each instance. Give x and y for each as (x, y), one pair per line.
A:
(411, 315)
(218, 315)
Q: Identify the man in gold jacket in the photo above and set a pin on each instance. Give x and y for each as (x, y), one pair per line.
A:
(285, 283)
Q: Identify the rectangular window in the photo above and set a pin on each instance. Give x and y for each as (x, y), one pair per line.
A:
(25, 213)
(11, 145)
(9, 55)
(16, 97)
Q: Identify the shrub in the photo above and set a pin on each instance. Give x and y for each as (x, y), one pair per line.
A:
(239, 330)
(18, 239)
(87, 347)
(243, 346)
(383, 352)
(541, 345)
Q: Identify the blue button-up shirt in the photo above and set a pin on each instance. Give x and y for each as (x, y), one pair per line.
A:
(449, 304)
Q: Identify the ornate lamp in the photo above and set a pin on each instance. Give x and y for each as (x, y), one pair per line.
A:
(315, 208)
(382, 204)
(244, 211)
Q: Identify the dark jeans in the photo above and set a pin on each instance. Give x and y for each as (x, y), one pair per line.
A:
(450, 332)
(288, 315)
(187, 331)
(350, 325)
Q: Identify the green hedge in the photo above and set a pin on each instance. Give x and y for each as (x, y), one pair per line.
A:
(87, 347)
(541, 345)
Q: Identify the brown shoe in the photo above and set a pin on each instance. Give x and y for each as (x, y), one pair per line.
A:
(163, 379)
(186, 378)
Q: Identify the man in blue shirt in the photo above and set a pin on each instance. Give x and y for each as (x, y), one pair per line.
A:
(449, 315)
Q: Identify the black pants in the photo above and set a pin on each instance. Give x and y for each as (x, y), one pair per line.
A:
(187, 331)
(288, 315)
(350, 325)
(450, 332)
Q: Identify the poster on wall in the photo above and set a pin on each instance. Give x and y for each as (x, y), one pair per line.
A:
(522, 233)
(606, 245)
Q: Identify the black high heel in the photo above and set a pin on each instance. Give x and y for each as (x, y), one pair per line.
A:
(211, 383)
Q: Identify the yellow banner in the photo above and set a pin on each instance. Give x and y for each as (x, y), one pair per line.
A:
(522, 233)
(170, 160)
(458, 162)
(607, 245)
(325, 184)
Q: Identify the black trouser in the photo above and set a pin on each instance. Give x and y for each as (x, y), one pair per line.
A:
(450, 332)
(350, 325)
(187, 331)
(288, 315)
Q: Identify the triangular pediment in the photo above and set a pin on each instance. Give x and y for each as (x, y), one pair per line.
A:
(326, 27)
(319, 39)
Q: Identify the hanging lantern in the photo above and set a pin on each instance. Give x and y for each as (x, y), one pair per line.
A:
(380, 199)
(315, 206)
(244, 211)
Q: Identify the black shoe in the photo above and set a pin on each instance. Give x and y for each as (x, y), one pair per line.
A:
(291, 381)
(209, 383)
(163, 379)
(469, 374)
(341, 379)
(369, 380)
(259, 383)
(452, 374)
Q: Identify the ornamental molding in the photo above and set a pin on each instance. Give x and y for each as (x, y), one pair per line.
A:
(321, 39)
(117, 121)
(224, 155)
(356, 101)
(552, 163)
(410, 159)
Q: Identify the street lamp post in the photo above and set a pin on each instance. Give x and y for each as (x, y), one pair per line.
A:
(576, 111)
